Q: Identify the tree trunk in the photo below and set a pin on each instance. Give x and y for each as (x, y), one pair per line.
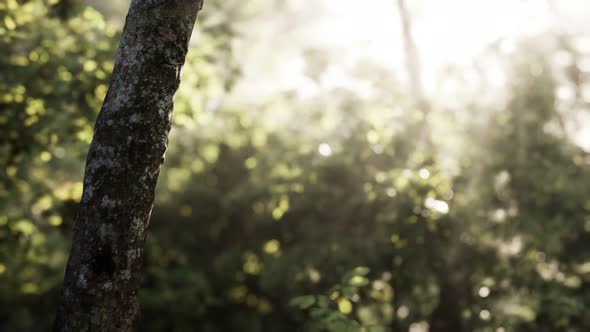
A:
(101, 286)
(412, 59)
(446, 317)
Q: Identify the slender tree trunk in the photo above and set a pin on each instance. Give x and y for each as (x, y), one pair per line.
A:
(421, 130)
(101, 286)
(395, 303)
(412, 59)
(446, 317)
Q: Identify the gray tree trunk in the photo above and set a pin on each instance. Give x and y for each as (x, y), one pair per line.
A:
(101, 286)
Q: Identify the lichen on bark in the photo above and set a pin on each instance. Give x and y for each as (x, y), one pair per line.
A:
(101, 285)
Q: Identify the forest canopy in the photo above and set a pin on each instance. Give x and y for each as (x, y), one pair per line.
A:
(333, 165)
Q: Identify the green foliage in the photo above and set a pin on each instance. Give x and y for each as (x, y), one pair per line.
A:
(54, 76)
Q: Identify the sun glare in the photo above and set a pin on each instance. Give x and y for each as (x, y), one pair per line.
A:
(349, 33)
(348, 36)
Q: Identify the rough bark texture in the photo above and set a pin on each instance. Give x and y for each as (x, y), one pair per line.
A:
(101, 286)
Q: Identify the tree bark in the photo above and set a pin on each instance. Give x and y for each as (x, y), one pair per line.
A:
(101, 286)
